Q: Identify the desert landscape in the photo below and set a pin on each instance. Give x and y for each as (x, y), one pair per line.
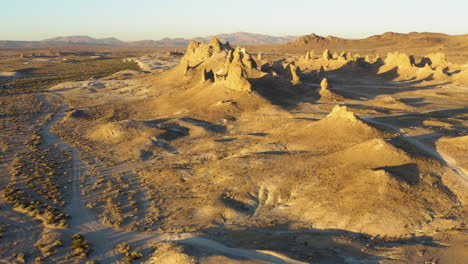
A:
(235, 148)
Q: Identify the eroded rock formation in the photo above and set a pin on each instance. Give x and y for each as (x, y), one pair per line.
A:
(292, 72)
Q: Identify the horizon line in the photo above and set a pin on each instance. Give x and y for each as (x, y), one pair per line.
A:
(218, 34)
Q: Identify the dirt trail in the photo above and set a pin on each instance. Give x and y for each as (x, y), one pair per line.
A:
(104, 238)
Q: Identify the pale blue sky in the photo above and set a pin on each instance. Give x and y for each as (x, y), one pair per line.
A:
(146, 19)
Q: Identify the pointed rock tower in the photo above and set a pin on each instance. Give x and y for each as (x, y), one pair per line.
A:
(292, 72)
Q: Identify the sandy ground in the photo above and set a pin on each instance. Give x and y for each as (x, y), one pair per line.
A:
(200, 173)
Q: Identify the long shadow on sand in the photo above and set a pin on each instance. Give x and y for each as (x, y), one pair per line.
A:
(325, 246)
(381, 85)
(307, 245)
(279, 91)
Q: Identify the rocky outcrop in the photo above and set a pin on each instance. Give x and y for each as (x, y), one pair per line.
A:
(324, 85)
(219, 64)
(236, 78)
(436, 60)
(327, 55)
(198, 51)
(326, 94)
(248, 61)
(342, 57)
(368, 59)
(292, 73)
(432, 66)
(335, 55)
(400, 60)
(341, 112)
(234, 74)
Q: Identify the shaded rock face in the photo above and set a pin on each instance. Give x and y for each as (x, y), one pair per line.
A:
(265, 67)
(321, 73)
(277, 68)
(208, 75)
(78, 114)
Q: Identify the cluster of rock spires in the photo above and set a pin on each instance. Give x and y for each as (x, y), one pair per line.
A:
(434, 64)
(341, 114)
(220, 64)
(343, 57)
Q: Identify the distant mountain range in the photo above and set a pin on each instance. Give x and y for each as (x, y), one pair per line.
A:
(377, 43)
(388, 39)
(239, 38)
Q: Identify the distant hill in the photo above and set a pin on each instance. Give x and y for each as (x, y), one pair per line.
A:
(239, 38)
(243, 38)
(83, 40)
(165, 42)
(455, 47)
(413, 39)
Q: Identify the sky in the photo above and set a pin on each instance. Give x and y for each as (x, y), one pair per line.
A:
(131, 20)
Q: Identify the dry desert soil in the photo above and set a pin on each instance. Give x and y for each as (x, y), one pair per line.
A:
(322, 150)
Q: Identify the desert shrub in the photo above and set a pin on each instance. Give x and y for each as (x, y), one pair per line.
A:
(133, 255)
(73, 71)
(123, 248)
(57, 243)
(21, 258)
(81, 247)
(39, 260)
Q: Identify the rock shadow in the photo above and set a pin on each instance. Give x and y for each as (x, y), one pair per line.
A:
(408, 173)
